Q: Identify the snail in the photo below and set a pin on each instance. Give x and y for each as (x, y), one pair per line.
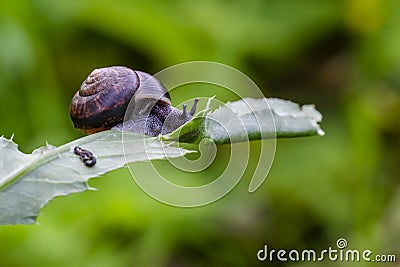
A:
(104, 97)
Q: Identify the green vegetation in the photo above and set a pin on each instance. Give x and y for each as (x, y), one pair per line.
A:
(343, 56)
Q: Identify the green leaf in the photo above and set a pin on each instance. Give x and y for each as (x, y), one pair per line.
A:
(29, 181)
(252, 119)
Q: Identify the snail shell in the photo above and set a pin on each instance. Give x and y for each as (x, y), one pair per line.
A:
(103, 97)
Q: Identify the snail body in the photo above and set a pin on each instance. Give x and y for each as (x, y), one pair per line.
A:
(104, 97)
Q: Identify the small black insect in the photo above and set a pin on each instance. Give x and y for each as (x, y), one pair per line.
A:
(86, 156)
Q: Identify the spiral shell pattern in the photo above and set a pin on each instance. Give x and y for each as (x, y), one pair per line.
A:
(102, 100)
(104, 96)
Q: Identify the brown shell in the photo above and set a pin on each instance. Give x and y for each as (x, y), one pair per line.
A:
(150, 89)
(103, 98)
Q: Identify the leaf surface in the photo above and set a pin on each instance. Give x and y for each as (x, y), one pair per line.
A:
(252, 119)
(29, 181)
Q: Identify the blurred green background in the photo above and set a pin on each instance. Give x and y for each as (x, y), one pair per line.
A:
(343, 56)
